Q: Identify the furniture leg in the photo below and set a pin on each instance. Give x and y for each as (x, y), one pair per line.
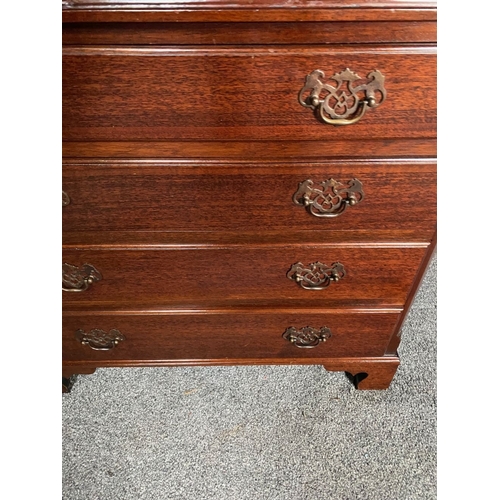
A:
(69, 376)
(367, 374)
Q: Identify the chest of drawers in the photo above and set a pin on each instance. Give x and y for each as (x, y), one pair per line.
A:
(246, 182)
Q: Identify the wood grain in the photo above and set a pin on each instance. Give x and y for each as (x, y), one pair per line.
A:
(169, 196)
(243, 11)
(378, 372)
(385, 148)
(138, 94)
(183, 143)
(244, 4)
(305, 33)
(374, 276)
(368, 374)
(155, 240)
(193, 339)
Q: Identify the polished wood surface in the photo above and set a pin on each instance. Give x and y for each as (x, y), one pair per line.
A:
(374, 276)
(305, 150)
(176, 5)
(217, 196)
(183, 145)
(306, 33)
(123, 240)
(237, 93)
(367, 374)
(243, 11)
(196, 338)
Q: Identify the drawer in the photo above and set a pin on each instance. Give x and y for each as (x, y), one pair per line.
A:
(204, 93)
(243, 274)
(210, 337)
(204, 196)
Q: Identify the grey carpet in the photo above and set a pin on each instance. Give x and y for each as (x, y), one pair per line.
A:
(270, 433)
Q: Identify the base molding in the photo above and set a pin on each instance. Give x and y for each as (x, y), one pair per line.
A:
(364, 373)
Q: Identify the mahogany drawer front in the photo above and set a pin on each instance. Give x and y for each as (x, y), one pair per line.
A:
(234, 93)
(245, 274)
(169, 196)
(203, 337)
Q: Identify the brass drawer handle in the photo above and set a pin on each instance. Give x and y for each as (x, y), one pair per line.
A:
(65, 199)
(328, 198)
(340, 104)
(316, 276)
(307, 337)
(76, 279)
(99, 340)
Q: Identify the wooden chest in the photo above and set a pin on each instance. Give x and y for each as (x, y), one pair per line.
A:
(246, 182)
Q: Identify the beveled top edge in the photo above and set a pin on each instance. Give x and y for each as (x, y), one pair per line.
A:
(247, 10)
(247, 4)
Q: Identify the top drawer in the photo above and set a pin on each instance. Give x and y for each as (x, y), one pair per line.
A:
(245, 93)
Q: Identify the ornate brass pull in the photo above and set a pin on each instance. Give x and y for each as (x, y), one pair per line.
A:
(340, 104)
(76, 279)
(316, 276)
(65, 199)
(100, 340)
(328, 198)
(307, 337)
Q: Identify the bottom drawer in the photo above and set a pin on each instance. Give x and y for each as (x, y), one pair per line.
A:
(182, 338)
